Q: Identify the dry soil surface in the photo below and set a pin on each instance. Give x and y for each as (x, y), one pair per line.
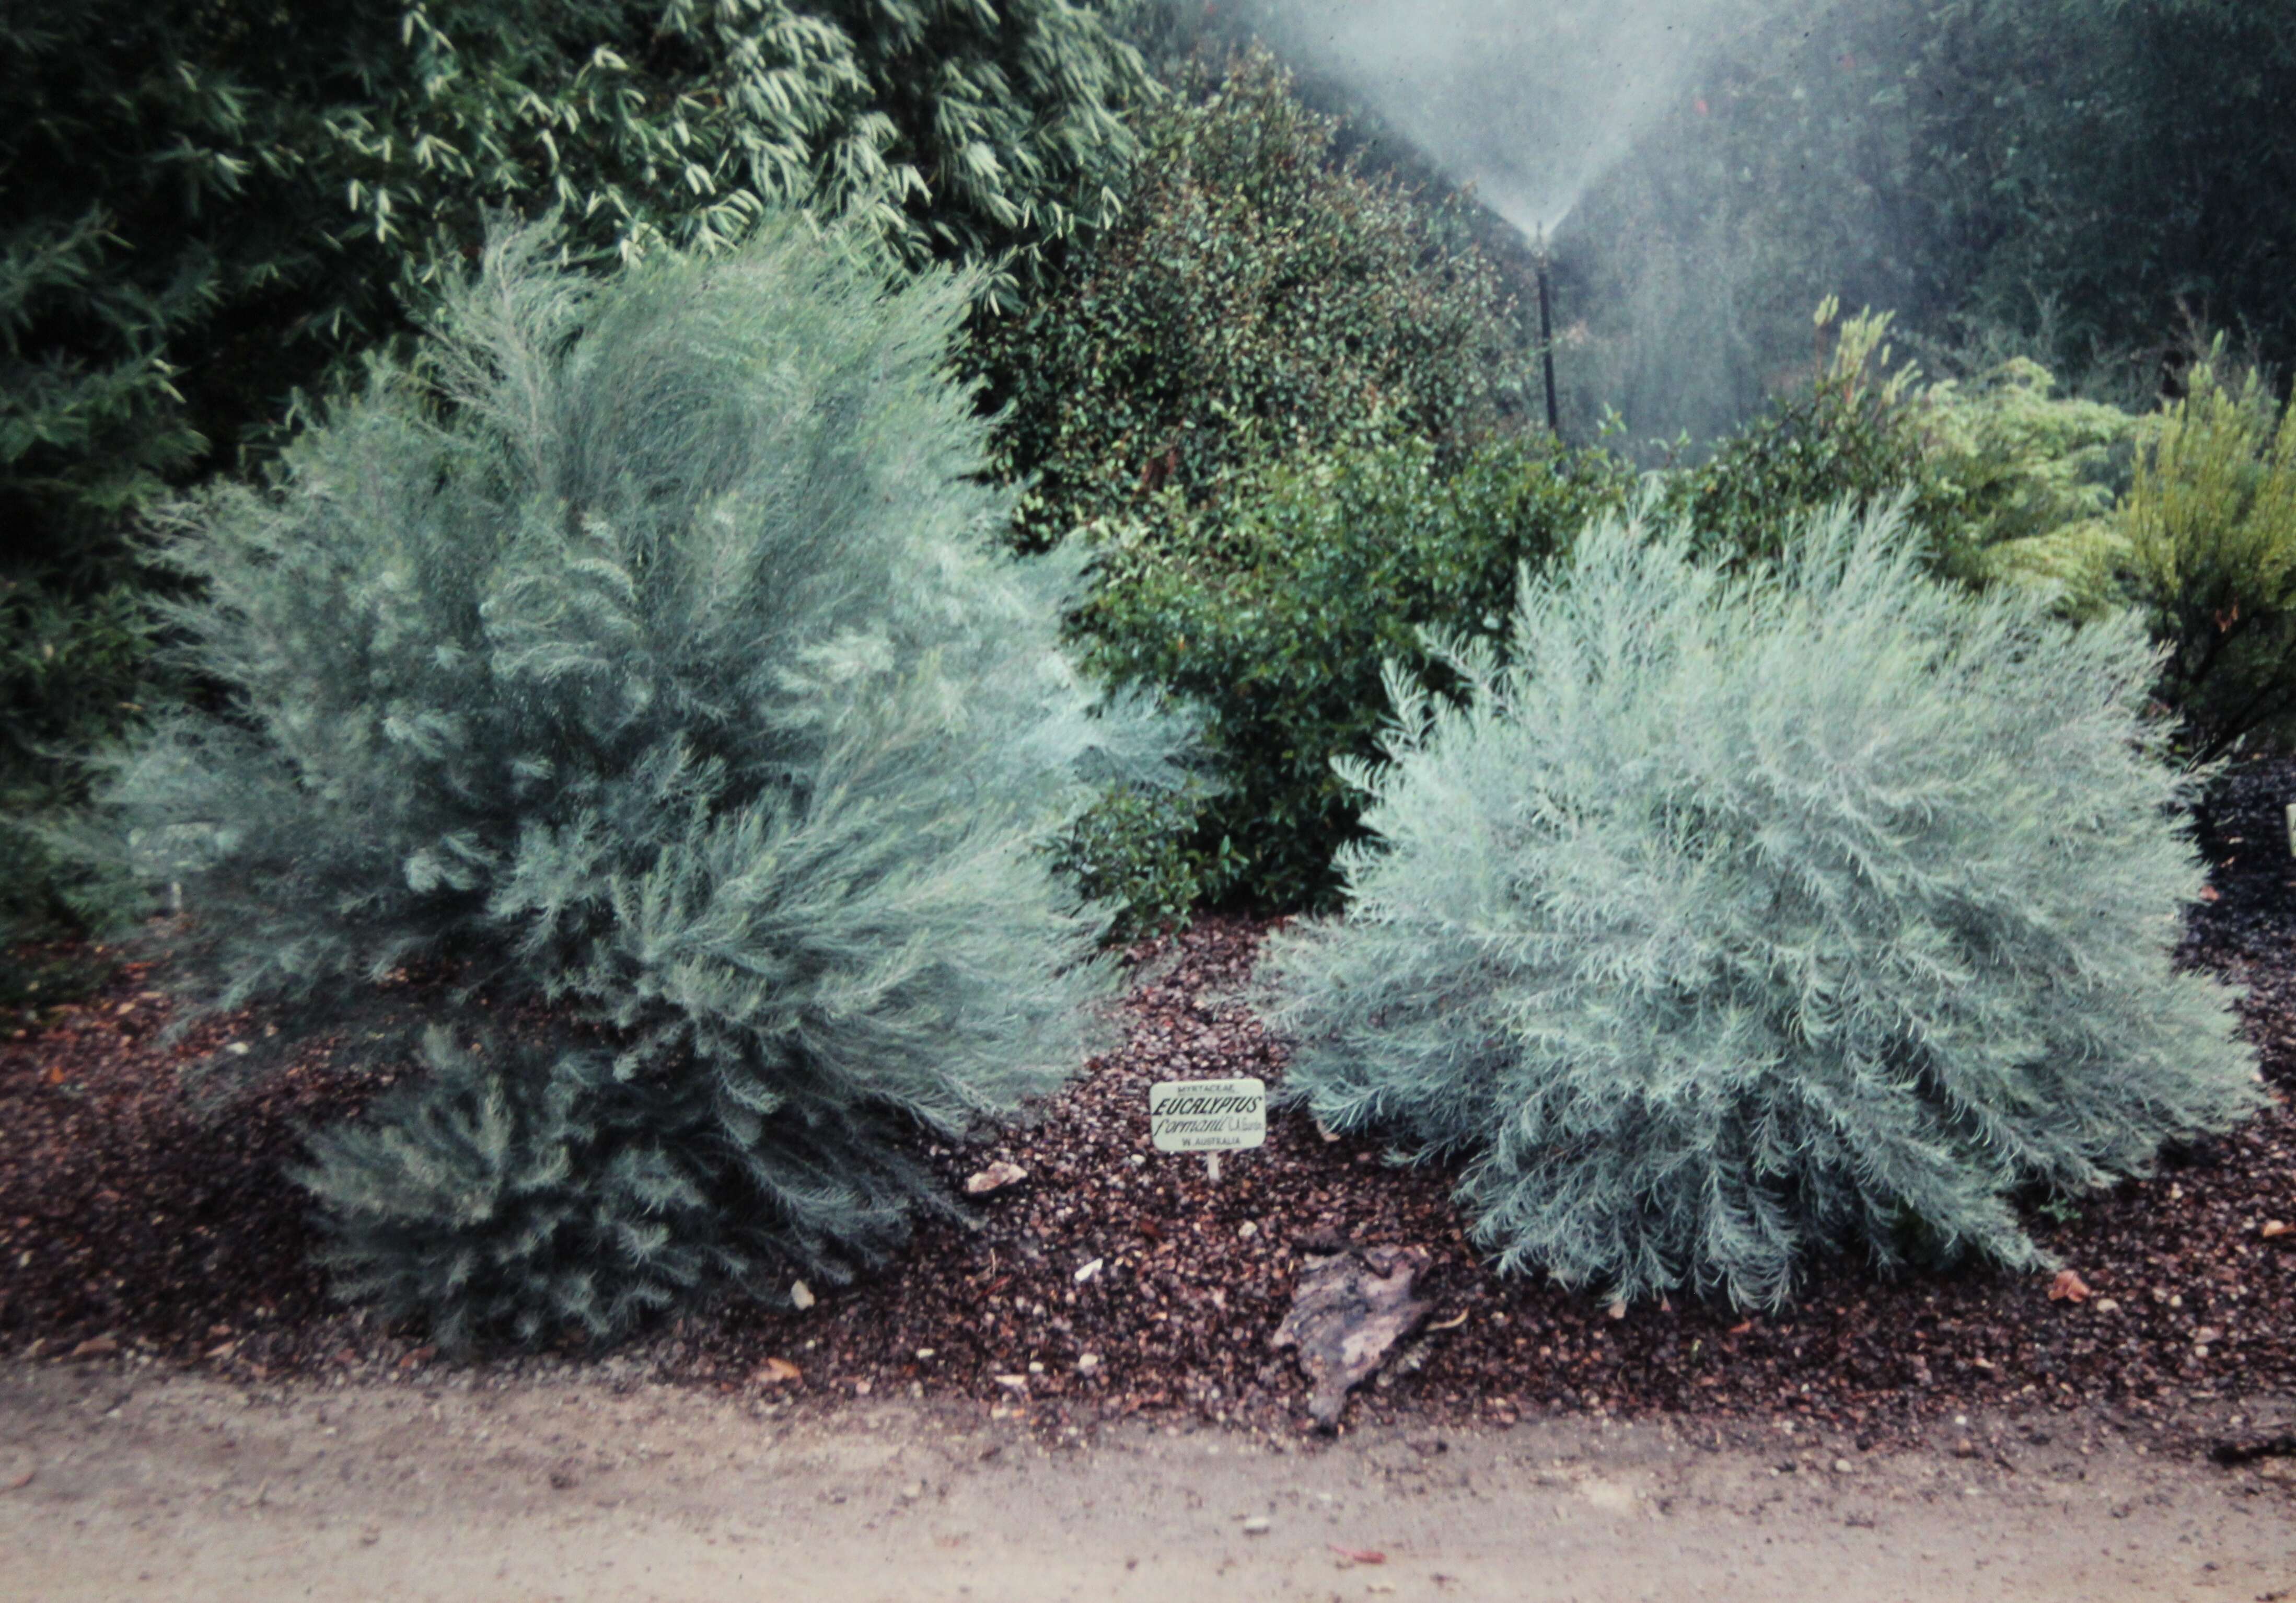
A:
(122, 1484)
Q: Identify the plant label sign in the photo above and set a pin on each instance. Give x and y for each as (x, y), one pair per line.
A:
(1206, 1116)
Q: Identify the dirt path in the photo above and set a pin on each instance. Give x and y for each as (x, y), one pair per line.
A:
(143, 1487)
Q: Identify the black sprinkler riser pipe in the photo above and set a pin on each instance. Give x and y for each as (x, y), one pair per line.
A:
(1547, 350)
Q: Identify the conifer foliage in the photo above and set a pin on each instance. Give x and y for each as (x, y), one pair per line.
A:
(668, 675)
(1819, 905)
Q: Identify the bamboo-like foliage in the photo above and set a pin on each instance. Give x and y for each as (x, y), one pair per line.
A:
(670, 675)
(1743, 915)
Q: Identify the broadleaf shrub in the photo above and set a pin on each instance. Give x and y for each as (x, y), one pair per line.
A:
(1274, 613)
(1852, 432)
(1746, 914)
(651, 653)
(1256, 299)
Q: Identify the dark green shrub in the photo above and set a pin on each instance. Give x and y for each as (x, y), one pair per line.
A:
(672, 674)
(1746, 915)
(1852, 434)
(1146, 852)
(1274, 613)
(1253, 302)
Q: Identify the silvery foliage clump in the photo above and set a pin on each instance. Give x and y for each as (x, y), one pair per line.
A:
(646, 656)
(1730, 918)
(523, 1197)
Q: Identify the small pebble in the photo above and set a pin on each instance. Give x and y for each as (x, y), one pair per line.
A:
(1257, 1526)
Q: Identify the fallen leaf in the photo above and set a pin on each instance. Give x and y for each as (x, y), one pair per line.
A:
(1742, 1329)
(1453, 1323)
(56, 1074)
(774, 1371)
(2272, 1227)
(2068, 1288)
(996, 1177)
(1358, 1554)
(95, 1346)
(801, 1295)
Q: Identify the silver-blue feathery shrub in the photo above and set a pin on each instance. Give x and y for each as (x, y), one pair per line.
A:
(648, 654)
(1737, 917)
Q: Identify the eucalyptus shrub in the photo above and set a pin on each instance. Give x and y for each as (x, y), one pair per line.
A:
(646, 655)
(212, 207)
(524, 1194)
(1741, 915)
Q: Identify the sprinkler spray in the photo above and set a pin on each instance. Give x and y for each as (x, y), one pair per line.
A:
(1546, 332)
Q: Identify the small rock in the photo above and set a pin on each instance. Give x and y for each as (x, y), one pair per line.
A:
(1248, 1231)
(1012, 1382)
(925, 1353)
(996, 1177)
(1257, 1526)
(912, 1491)
(95, 1346)
(1964, 1449)
(1618, 1310)
(1088, 1362)
(2272, 1227)
(1089, 1271)
(2108, 1304)
(1841, 1466)
(801, 1295)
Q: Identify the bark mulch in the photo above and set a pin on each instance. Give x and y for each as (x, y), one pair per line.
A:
(1117, 1280)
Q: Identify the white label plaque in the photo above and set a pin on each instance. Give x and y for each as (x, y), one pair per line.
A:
(1206, 1116)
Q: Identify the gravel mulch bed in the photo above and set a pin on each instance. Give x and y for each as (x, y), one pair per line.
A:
(129, 1221)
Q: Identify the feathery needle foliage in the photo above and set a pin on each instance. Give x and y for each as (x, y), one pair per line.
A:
(670, 675)
(1740, 916)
